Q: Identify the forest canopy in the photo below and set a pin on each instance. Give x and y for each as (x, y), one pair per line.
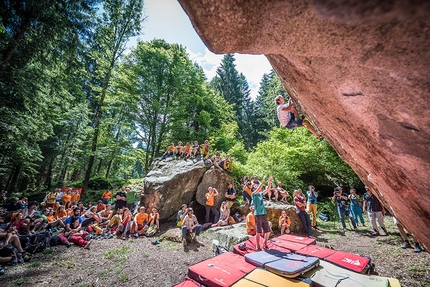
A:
(77, 104)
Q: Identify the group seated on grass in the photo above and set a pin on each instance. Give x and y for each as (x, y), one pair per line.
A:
(199, 152)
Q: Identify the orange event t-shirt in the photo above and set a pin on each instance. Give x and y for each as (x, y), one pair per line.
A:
(67, 197)
(75, 197)
(60, 214)
(211, 200)
(248, 190)
(250, 220)
(107, 195)
(141, 218)
(284, 220)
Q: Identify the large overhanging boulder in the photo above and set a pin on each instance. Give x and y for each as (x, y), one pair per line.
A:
(358, 70)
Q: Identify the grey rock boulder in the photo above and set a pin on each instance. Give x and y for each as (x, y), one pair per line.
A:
(215, 179)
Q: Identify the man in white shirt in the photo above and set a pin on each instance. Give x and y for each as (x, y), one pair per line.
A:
(289, 117)
(190, 225)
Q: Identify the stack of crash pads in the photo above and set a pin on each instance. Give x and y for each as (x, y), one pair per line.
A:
(290, 261)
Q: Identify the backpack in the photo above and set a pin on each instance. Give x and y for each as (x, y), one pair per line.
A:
(151, 231)
(54, 240)
(206, 226)
(38, 242)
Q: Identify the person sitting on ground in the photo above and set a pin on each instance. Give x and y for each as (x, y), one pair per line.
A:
(406, 244)
(126, 218)
(230, 194)
(106, 196)
(190, 224)
(31, 218)
(67, 198)
(179, 150)
(209, 204)
(100, 206)
(115, 221)
(105, 215)
(250, 222)
(224, 215)
(205, 150)
(73, 233)
(169, 152)
(154, 218)
(90, 217)
(187, 151)
(13, 205)
(48, 216)
(284, 222)
(10, 236)
(141, 221)
(61, 213)
(289, 117)
(16, 224)
(181, 214)
(82, 207)
(300, 203)
(195, 150)
(246, 193)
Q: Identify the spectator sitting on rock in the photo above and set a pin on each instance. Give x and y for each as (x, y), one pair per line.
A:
(187, 151)
(195, 151)
(209, 204)
(190, 225)
(230, 194)
(250, 222)
(284, 194)
(205, 150)
(179, 150)
(181, 214)
(224, 215)
(217, 161)
(169, 152)
(228, 163)
(246, 193)
(284, 222)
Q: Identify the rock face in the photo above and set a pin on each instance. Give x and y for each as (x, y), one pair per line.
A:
(359, 70)
(229, 235)
(172, 183)
(273, 212)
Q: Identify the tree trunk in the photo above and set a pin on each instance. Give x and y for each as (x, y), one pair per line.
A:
(99, 166)
(49, 173)
(108, 168)
(14, 180)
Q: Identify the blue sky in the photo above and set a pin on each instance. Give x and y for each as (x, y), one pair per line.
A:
(166, 20)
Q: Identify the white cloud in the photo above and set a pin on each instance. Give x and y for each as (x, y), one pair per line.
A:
(251, 66)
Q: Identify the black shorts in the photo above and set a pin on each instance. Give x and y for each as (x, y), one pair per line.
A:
(262, 223)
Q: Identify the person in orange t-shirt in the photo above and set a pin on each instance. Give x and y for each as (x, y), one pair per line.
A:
(247, 193)
(61, 213)
(75, 197)
(67, 197)
(106, 196)
(284, 222)
(100, 206)
(141, 221)
(210, 202)
(250, 222)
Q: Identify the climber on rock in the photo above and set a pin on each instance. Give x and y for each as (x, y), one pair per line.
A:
(289, 117)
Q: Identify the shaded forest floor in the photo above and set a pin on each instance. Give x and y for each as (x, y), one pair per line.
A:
(137, 262)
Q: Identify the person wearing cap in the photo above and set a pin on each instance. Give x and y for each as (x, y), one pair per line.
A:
(375, 211)
(100, 206)
(300, 203)
(289, 117)
(342, 207)
(311, 204)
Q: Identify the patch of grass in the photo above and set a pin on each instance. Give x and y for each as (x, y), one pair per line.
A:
(131, 240)
(114, 252)
(103, 272)
(48, 251)
(120, 260)
(18, 281)
(86, 284)
(146, 255)
(169, 245)
(123, 277)
(34, 264)
(64, 263)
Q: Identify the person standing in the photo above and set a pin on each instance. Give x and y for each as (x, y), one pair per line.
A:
(230, 194)
(311, 204)
(106, 196)
(300, 203)
(210, 202)
(354, 199)
(375, 211)
(131, 199)
(263, 226)
(121, 200)
(343, 209)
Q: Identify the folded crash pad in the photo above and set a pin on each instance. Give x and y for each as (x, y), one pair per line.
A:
(292, 265)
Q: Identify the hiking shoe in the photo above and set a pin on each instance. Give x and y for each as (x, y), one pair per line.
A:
(356, 229)
(405, 245)
(312, 237)
(385, 230)
(68, 244)
(364, 224)
(375, 233)
(184, 242)
(417, 249)
(87, 246)
(342, 231)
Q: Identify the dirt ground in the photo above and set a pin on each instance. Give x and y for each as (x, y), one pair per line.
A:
(138, 262)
